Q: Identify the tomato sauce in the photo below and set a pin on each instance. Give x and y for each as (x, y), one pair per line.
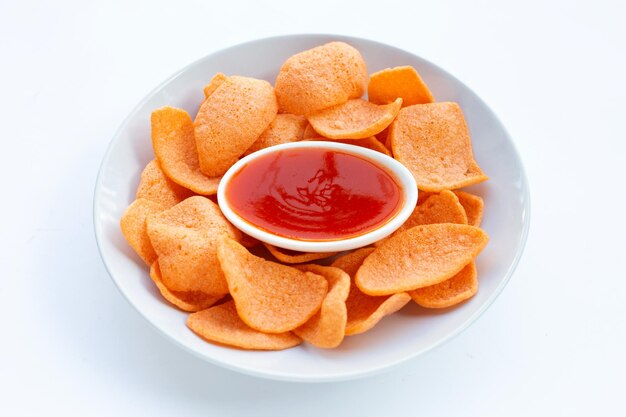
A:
(314, 194)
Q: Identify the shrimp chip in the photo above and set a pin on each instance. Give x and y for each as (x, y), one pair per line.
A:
(284, 128)
(310, 133)
(473, 206)
(327, 327)
(433, 142)
(321, 77)
(175, 148)
(215, 82)
(133, 224)
(438, 208)
(387, 85)
(293, 257)
(420, 257)
(354, 119)
(449, 292)
(184, 300)
(155, 186)
(365, 311)
(221, 324)
(185, 239)
(270, 297)
(230, 120)
(369, 143)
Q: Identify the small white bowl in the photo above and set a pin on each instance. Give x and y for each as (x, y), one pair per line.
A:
(400, 173)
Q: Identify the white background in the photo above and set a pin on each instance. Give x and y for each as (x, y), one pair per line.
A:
(552, 344)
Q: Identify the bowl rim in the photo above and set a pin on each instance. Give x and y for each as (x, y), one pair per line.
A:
(400, 173)
(330, 377)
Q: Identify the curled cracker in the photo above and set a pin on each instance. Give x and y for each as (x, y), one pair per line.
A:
(365, 311)
(433, 142)
(293, 257)
(230, 120)
(327, 328)
(420, 257)
(452, 291)
(320, 77)
(369, 143)
(185, 239)
(285, 128)
(184, 300)
(175, 148)
(155, 186)
(221, 324)
(354, 119)
(215, 82)
(473, 206)
(270, 297)
(133, 224)
(405, 82)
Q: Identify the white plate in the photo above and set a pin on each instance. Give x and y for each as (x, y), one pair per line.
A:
(397, 338)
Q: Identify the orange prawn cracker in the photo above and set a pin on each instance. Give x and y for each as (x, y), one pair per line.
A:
(221, 324)
(419, 257)
(387, 85)
(175, 148)
(433, 142)
(155, 186)
(270, 297)
(133, 224)
(354, 119)
(185, 239)
(369, 143)
(327, 328)
(215, 82)
(284, 128)
(438, 208)
(365, 311)
(230, 120)
(321, 77)
(473, 206)
(293, 257)
(449, 292)
(184, 300)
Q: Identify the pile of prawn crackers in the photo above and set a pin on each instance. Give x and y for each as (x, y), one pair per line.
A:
(202, 264)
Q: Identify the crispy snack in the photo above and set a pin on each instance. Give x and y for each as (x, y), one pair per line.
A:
(321, 77)
(433, 142)
(449, 292)
(215, 82)
(185, 239)
(473, 206)
(221, 324)
(438, 208)
(270, 297)
(327, 327)
(175, 149)
(284, 128)
(310, 133)
(184, 300)
(387, 85)
(293, 257)
(354, 119)
(155, 186)
(420, 257)
(369, 143)
(365, 311)
(230, 120)
(133, 224)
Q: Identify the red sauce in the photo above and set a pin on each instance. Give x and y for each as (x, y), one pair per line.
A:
(314, 194)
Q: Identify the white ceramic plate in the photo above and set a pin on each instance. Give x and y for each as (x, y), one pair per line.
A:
(397, 338)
